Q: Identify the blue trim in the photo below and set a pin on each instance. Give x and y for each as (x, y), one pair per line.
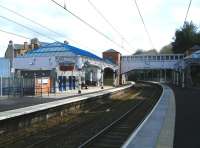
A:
(57, 47)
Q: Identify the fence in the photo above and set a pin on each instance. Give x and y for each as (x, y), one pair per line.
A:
(16, 86)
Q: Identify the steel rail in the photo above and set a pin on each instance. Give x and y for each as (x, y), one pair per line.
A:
(107, 128)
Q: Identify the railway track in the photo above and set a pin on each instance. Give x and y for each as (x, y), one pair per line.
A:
(115, 134)
(131, 113)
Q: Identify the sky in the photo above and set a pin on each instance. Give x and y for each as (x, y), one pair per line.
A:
(162, 18)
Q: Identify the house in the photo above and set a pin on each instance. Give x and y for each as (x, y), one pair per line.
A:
(21, 49)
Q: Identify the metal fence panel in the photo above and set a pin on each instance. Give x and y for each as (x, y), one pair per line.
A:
(17, 86)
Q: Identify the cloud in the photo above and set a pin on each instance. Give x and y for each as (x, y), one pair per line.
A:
(162, 17)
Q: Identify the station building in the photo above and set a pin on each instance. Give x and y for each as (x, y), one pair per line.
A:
(60, 67)
(187, 71)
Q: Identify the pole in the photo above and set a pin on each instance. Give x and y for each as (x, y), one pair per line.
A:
(22, 85)
(79, 82)
(160, 74)
(177, 78)
(183, 79)
(102, 78)
(114, 78)
(41, 86)
(1, 87)
(35, 84)
(13, 72)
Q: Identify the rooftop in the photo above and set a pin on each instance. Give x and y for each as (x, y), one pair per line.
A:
(59, 49)
(111, 50)
(196, 47)
(18, 46)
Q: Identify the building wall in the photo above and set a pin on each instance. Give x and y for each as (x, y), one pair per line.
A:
(5, 67)
(116, 58)
(35, 63)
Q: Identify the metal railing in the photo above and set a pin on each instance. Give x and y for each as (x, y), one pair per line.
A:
(16, 86)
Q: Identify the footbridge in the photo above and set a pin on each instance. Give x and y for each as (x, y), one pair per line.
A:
(149, 62)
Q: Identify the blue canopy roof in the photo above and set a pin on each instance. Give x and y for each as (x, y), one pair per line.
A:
(59, 49)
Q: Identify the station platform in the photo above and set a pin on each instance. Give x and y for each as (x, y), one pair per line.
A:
(157, 129)
(14, 107)
(10, 103)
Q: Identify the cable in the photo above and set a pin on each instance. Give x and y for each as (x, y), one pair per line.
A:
(18, 14)
(187, 11)
(108, 22)
(27, 27)
(15, 34)
(145, 28)
(50, 30)
(89, 25)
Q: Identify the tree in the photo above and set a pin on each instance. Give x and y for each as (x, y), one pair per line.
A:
(185, 37)
(139, 51)
(151, 51)
(167, 49)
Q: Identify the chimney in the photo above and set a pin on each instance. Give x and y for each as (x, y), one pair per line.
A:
(32, 46)
(25, 45)
(35, 43)
(10, 43)
(66, 42)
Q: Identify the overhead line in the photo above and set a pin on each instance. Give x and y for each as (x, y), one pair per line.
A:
(15, 34)
(145, 28)
(43, 26)
(18, 14)
(26, 27)
(108, 22)
(187, 11)
(89, 25)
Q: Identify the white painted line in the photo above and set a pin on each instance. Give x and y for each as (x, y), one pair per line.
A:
(35, 108)
(133, 135)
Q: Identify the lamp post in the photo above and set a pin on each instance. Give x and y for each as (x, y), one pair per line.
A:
(102, 71)
(79, 82)
(35, 89)
(114, 80)
(12, 64)
(79, 66)
(1, 87)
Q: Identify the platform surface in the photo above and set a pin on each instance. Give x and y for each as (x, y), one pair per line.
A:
(9, 102)
(157, 130)
(10, 108)
(187, 128)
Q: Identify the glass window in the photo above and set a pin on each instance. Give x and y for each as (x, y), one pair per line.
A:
(181, 57)
(131, 57)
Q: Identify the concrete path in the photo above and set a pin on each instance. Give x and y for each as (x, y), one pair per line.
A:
(39, 107)
(187, 128)
(10, 103)
(157, 130)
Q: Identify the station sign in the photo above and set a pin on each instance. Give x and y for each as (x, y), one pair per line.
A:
(66, 66)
